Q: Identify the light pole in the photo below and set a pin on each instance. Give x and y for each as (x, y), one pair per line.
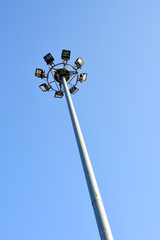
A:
(63, 77)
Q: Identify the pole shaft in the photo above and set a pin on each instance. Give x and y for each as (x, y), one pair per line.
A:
(101, 218)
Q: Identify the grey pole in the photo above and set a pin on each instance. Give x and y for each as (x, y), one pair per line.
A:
(99, 211)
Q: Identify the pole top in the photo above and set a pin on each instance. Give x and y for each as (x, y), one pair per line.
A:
(53, 76)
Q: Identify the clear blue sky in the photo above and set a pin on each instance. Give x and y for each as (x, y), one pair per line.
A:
(43, 194)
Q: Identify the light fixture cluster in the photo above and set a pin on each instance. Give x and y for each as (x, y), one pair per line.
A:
(58, 73)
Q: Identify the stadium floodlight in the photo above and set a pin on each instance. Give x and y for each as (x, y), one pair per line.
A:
(44, 87)
(49, 59)
(39, 73)
(58, 94)
(83, 77)
(58, 78)
(66, 54)
(79, 62)
(73, 90)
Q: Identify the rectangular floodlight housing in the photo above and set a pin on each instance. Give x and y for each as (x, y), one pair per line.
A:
(48, 59)
(66, 54)
(44, 87)
(79, 62)
(39, 73)
(58, 94)
(83, 77)
(73, 90)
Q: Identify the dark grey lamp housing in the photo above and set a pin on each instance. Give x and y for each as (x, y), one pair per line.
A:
(58, 94)
(83, 77)
(79, 62)
(44, 87)
(73, 90)
(66, 54)
(48, 59)
(39, 73)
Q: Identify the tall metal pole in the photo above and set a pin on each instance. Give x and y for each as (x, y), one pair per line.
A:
(101, 218)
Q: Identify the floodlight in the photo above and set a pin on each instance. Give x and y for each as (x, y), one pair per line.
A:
(79, 62)
(58, 94)
(66, 54)
(44, 87)
(73, 90)
(49, 59)
(83, 77)
(39, 73)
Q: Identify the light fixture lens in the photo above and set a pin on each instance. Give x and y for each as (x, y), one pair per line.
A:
(79, 62)
(39, 73)
(83, 77)
(66, 54)
(58, 94)
(73, 90)
(44, 87)
(49, 59)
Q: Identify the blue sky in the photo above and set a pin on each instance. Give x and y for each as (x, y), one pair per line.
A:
(43, 194)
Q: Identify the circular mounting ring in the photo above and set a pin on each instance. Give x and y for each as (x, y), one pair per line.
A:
(58, 73)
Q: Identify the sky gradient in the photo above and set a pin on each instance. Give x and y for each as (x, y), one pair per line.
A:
(43, 193)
